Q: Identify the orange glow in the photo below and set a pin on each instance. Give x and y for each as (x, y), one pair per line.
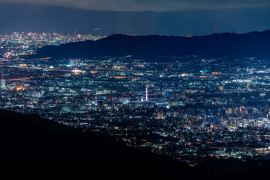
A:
(203, 77)
(118, 77)
(20, 88)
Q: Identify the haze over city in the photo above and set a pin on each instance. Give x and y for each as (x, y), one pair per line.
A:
(134, 17)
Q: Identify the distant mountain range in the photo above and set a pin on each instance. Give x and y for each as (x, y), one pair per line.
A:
(216, 45)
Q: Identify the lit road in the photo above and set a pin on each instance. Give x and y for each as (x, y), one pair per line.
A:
(33, 77)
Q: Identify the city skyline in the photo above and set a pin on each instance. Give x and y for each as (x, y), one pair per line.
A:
(140, 88)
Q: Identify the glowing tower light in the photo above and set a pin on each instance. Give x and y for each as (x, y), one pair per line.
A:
(146, 94)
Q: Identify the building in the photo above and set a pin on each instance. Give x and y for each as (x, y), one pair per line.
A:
(3, 82)
(66, 109)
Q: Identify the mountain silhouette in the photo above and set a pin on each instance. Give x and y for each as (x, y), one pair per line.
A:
(216, 45)
(33, 147)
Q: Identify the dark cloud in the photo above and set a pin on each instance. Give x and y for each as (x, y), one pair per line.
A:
(147, 5)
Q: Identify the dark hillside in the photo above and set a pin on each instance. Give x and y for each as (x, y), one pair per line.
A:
(216, 45)
(33, 147)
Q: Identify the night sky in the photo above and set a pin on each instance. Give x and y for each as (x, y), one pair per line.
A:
(163, 17)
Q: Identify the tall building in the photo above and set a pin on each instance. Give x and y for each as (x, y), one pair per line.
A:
(3, 81)
(146, 94)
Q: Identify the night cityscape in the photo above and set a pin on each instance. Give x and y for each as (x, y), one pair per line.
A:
(178, 106)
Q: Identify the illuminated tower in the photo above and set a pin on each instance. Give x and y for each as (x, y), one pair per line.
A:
(3, 81)
(146, 95)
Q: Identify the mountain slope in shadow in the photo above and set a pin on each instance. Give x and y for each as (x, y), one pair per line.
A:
(32, 147)
(216, 45)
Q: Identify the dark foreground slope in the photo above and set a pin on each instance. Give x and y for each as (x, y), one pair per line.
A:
(216, 45)
(35, 148)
